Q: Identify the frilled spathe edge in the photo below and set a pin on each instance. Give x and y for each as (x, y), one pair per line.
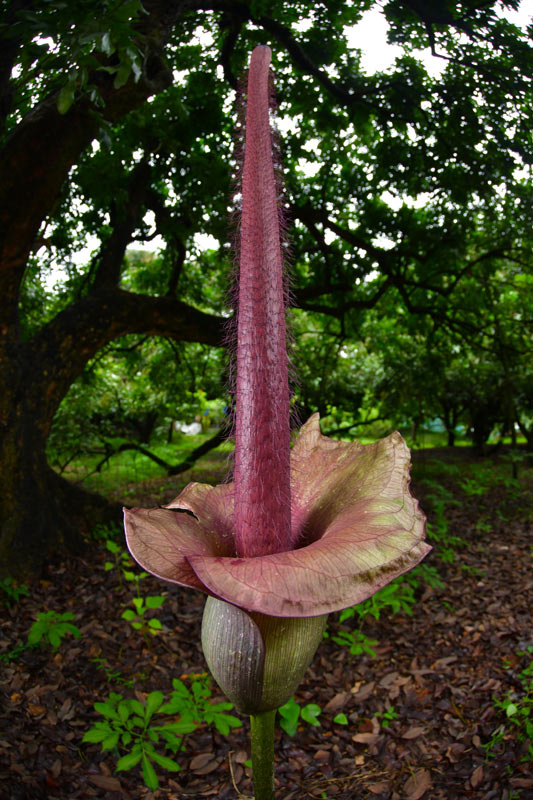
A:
(355, 527)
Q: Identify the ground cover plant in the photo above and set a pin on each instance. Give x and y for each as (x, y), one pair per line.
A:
(442, 711)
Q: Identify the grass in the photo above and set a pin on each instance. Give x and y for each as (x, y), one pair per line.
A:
(132, 467)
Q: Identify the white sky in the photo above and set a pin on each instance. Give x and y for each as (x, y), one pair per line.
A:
(369, 36)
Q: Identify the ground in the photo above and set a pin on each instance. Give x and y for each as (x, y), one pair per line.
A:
(423, 719)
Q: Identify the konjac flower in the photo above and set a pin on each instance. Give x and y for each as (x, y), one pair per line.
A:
(354, 525)
(300, 532)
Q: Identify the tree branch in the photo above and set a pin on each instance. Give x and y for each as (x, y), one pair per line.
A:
(61, 349)
(124, 220)
(171, 469)
(39, 152)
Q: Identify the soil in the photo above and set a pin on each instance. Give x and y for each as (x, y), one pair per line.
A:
(440, 670)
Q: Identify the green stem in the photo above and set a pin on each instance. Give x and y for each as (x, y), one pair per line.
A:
(262, 739)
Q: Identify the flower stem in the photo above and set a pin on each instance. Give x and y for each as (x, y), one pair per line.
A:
(262, 739)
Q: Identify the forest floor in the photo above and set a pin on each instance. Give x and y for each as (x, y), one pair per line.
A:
(439, 713)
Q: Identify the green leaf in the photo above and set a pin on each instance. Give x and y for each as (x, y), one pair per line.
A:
(129, 614)
(106, 45)
(111, 741)
(165, 762)
(224, 722)
(106, 711)
(124, 710)
(121, 78)
(341, 719)
(54, 638)
(289, 713)
(182, 726)
(95, 735)
(129, 761)
(310, 712)
(137, 707)
(155, 623)
(36, 633)
(73, 630)
(65, 97)
(150, 778)
(154, 601)
(153, 702)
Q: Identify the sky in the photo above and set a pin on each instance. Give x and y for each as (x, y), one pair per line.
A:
(369, 36)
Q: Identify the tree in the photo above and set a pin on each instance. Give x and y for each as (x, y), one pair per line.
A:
(117, 127)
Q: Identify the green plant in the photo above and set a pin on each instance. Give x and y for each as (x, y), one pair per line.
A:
(469, 570)
(122, 559)
(483, 525)
(196, 704)
(387, 716)
(291, 712)
(518, 709)
(137, 618)
(128, 725)
(110, 531)
(12, 592)
(357, 641)
(340, 719)
(52, 628)
(427, 573)
(12, 655)
(115, 676)
(472, 487)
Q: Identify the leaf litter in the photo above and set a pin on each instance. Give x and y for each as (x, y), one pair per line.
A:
(440, 670)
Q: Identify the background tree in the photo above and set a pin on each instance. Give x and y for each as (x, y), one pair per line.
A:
(116, 125)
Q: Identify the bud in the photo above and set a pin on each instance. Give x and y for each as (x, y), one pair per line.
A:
(258, 660)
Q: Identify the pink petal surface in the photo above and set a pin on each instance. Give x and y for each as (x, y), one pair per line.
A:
(162, 539)
(354, 516)
(356, 523)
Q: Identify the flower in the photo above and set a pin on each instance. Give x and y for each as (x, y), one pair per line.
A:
(353, 521)
(300, 532)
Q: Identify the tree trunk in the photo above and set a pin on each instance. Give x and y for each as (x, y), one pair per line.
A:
(40, 512)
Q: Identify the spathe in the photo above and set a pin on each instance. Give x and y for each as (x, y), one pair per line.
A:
(354, 522)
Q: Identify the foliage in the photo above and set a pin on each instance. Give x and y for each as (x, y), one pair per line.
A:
(12, 592)
(396, 596)
(387, 716)
(357, 641)
(51, 627)
(518, 709)
(137, 618)
(408, 194)
(291, 712)
(128, 725)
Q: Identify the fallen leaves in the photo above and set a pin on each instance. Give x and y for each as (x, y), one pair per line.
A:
(417, 785)
(440, 670)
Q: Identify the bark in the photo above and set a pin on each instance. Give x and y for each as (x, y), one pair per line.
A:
(41, 512)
